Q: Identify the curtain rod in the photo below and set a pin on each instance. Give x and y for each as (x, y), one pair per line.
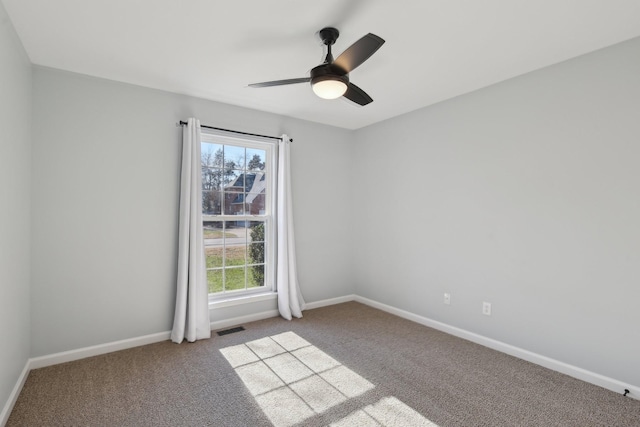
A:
(182, 123)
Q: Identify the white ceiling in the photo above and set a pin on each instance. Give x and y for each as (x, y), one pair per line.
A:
(435, 49)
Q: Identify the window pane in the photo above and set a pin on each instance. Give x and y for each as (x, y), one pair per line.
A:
(213, 256)
(235, 181)
(214, 280)
(234, 193)
(234, 278)
(222, 177)
(234, 204)
(214, 232)
(255, 187)
(256, 276)
(256, 256)
(207, 178)
(236, 232)
(255, 206)
(235, 254)
(256, 159)
(256, 253)
(234, 157)
(256, 232)
(212, 178)
(211, 154)
(211, 202)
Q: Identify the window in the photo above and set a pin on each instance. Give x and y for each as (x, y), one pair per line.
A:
(237, 205)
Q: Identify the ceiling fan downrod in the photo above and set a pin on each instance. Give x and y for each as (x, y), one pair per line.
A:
(329, 35)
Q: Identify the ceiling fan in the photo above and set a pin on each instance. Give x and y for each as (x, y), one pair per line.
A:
(330, 80)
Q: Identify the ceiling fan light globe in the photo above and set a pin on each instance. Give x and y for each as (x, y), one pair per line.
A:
(329, 89)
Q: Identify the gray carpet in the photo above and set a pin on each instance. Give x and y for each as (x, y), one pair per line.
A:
(343, 365)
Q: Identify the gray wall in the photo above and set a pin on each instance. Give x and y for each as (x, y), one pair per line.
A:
(524, 194)
(105, 199)
(15, 189)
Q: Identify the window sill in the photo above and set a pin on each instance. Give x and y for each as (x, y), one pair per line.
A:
(244, 299)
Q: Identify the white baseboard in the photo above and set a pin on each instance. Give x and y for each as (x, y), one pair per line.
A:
(96, 350)
(547, 362)
(13, 397)
(235, 321)
(331, 301)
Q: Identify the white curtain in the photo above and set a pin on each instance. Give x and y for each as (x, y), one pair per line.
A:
(191, 320)
(290, 300)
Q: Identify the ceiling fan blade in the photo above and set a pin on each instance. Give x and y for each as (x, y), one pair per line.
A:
(357, 95)
(358, 52)
(281, 82)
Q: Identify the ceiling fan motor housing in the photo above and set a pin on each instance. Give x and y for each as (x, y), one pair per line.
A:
(328, 72)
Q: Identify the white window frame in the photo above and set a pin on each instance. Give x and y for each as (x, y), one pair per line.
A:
(268, 217)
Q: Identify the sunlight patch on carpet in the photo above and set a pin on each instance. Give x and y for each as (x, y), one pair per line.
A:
(387, 412)
(292, 380)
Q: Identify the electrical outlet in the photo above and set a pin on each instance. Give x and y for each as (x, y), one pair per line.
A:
(447, 298)
(486, 308)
